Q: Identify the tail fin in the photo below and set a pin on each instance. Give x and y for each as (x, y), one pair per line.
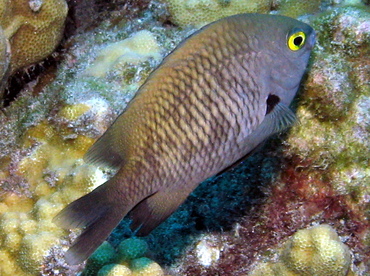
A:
(97, 215)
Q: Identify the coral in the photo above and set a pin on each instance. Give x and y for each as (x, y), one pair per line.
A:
(114, 270)
(295, 8)
(127, 260)
(140, 267)
(332, 109)
(314, 251)
(145, 267)
(199, 13)
(33, 28)
(53, 158)
(137, 48)
(130, 249)
(104, 255)
(73, 112)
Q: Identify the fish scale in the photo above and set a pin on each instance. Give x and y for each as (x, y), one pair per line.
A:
(220, 94)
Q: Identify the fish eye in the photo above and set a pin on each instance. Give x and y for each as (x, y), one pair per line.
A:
(296, 40)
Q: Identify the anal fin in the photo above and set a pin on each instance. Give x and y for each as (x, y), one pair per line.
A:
(153, 210)
(240, 160)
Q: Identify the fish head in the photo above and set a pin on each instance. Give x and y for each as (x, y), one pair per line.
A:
(286, 50)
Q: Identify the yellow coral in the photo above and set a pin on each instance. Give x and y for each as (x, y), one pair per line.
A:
(33, 28)
(23, 242)
(137, 48)
(33, 248)
(72, 112)
(55, 176)
(201, 12)
(295, 8)
(114, 270)
(145, 267)
(6, 267)
(316, 251)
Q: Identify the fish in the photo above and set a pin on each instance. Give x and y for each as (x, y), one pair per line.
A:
(213, 100)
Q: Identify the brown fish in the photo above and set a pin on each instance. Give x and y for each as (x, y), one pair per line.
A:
(214, 99)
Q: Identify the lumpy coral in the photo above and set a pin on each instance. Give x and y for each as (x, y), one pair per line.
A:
(27, 232)
(130, 249)
(33, 28)
(199, 13)
(115, 270)
(104, 255)
(145, 267)
(127, 259)
(314, 251)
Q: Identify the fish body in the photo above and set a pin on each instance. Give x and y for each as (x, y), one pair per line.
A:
(214, 99)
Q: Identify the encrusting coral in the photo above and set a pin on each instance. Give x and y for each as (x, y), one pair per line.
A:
(139, 47)
(332, 110)
(199, 13)
(315, 251)
(33, 28)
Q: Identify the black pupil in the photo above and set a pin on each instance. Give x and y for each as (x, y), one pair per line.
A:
(271, 102)
(298, 41)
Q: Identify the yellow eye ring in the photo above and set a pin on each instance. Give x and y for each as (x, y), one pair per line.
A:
(296, 41)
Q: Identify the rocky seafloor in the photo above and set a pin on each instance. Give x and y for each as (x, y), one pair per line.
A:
(299, 206)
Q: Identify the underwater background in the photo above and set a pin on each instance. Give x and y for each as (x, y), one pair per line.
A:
(299, 206)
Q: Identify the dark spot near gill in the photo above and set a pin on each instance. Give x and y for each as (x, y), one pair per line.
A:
(271, 102)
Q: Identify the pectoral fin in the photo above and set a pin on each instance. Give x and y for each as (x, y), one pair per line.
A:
(280, 118)
(277, 120)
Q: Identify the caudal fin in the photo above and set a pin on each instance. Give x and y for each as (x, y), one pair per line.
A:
(97, 215)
